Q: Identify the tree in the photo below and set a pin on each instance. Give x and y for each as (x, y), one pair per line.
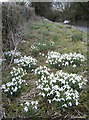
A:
(43, 9)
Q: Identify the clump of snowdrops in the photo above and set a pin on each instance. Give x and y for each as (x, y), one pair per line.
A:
(61, 88)
(8, 55)
(58, 60)
(14, 86)
(42, 47)
(27, 62)
(29, 109)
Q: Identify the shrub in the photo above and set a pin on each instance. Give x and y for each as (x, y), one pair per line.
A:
(77, 37)
(13, 16)
(61, 88)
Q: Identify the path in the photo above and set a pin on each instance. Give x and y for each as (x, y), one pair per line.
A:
(82, 28)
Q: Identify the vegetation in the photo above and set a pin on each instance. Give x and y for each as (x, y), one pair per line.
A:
(35, 99)
(59, 11)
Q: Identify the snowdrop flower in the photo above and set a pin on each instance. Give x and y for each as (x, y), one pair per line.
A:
(35, 107)
(64, 105)
(23, 41)
(32, 102)
(3, 87)
(49, 101)
(39, 53)
(27, 103)
(16, 60)
(25, 109)
(70, 104)
(74, 65)
(43, 54)
(21, 104)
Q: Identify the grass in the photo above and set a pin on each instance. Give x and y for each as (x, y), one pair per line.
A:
(67, 39)
(77, 36)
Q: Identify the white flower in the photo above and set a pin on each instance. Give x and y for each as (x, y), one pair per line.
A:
(49, 101)
(16, 60)
(27, 103)
(3, 87)
(39, 53)
(21, 104)
(32, 102)
(70, 104)
(64, 105)
(74, 65)
(35, 107)
(43, 94)
(25, 109)
(43, 54)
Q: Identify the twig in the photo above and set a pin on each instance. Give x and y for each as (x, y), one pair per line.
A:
(13, 56)
(78, 117)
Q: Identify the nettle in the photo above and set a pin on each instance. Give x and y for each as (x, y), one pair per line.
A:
(8, 55)
(13, 88)
(61, 88)
(27, 62)
(58, 60)
(29, 109)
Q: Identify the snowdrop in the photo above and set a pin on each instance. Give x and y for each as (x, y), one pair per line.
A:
(16, 60)
(25, 109)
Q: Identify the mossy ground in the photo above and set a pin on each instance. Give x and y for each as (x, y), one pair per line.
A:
(43, 30)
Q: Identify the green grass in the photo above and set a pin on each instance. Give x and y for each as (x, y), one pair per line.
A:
(77, 36)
